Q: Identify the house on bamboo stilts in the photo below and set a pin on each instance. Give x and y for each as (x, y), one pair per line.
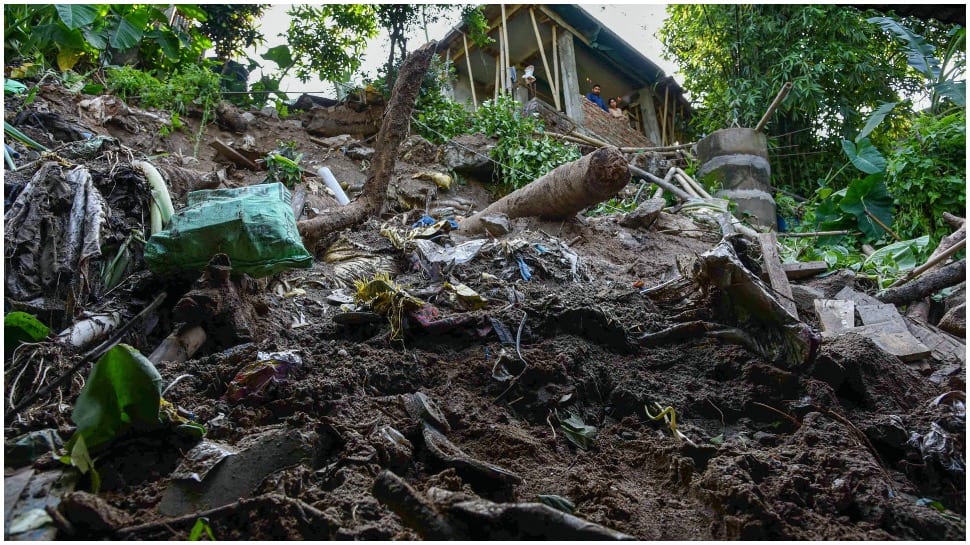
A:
(569, 50)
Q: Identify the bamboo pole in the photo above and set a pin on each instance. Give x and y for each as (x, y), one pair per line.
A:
(508, 61)
(663, 123)
(498, 72)
(542, 52)
(555, 61)
(468, 63)
(774, 105)
(658, 148)
(815, 234)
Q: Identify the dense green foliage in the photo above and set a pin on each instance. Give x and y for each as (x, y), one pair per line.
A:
(88, 35)
(735, 58)
(521, 155)
(926, 175)
(327, 41)
(232, 27)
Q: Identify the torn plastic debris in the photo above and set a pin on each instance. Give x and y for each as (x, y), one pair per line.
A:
(443, 181)
(387, 298)
(352, 262)
(429, 321)
(269, 368)
(455, 255)
(938, 445)
(202, 459)
(253, 225)
(524, 269)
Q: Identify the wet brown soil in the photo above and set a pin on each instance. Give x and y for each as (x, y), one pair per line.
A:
(835, 449)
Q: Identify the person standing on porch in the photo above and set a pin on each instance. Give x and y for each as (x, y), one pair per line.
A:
(594, 97)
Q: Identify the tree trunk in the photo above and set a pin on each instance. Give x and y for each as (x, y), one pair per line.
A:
(393, 131)
(562, 192)
(950, 275)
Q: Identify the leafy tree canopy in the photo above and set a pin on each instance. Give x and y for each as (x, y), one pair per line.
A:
(327, 41)
(232, 27)
(735, 58)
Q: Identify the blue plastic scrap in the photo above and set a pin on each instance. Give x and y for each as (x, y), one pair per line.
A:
(524, 269)
(425, 221)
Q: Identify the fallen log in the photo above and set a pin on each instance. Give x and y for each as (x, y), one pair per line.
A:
(950, 275)
(393, 131)
(562, 192)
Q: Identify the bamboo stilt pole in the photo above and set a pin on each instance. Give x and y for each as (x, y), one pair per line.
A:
(508, 60)
(468, 63)
(555, 61)
(542, 52)
(498, 72)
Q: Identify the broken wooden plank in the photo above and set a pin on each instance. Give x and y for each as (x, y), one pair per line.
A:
(895, 339)
(886, 328)
(237, 158)
(806, 269)
(945, 347)
(877, 314)
(776, 275)
(836, 316)
(857, 297)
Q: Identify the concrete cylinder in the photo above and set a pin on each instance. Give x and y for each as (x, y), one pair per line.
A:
(737, 161)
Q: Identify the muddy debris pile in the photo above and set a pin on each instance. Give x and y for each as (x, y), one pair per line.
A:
(180, 361)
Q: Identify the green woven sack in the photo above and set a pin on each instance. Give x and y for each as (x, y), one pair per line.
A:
(253, 225)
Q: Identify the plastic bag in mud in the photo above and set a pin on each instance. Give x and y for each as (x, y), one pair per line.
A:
(253, 225)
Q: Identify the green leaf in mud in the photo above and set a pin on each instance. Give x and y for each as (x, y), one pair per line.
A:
(929, 502)
(20, 327)
(578, 432)
(123, 392)
(80, 458)
(201, 525)
(558, 502)
(869, 196)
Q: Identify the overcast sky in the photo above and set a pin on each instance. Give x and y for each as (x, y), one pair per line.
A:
(635, 23)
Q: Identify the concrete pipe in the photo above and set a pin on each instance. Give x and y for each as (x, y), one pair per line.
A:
(736, 160)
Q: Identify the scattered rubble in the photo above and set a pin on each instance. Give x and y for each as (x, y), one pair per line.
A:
(443, 368)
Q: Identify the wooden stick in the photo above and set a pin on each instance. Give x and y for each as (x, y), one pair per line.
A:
(774, 105)
(665, 183)
(468, 62)
(693, 183)
(508, 59)
(542, 52)
(929, 264)
(883, 225)
(498, 71)
(816, 234)
(555, 62)
(589, 139)
(663, 125)
(659, 148)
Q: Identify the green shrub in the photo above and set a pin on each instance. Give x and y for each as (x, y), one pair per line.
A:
(926, 175)
(521, 155)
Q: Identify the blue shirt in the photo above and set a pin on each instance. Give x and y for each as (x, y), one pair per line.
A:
(596, 99)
